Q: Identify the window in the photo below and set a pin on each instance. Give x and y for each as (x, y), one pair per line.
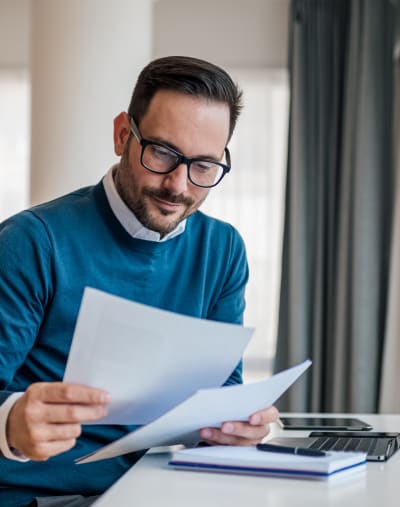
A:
(251, 198)
(14, 141)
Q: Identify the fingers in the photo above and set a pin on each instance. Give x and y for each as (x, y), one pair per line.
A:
(64, 403)
(63, 413)
(242, 432)
(59, 413)
(47, 419)
(264, 416)
(42, 451)
(55, 432)
(59, 392)
(234, 433)
(46, 440)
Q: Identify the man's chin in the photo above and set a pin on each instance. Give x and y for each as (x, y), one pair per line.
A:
(164, 226)
(162, 221)
(167, 213)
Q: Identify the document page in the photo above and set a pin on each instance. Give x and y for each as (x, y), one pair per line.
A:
(150, 360)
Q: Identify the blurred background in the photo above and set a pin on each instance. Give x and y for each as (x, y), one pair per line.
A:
(67, 68)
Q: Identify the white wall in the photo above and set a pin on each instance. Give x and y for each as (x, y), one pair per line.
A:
(231, 33)
(14, 33)
(85, 55)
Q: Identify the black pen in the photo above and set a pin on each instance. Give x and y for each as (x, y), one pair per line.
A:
(291, 450)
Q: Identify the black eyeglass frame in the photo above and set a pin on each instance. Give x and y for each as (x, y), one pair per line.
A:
(181, 159)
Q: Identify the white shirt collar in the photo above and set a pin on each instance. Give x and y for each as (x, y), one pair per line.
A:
(126, 217)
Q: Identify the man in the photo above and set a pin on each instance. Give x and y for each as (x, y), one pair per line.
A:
(136, 234)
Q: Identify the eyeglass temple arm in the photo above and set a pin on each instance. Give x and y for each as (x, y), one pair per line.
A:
(228, 157)
(135, 129)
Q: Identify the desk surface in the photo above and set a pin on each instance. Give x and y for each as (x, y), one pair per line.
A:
(150, 483)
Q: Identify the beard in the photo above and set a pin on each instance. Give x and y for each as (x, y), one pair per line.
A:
(137, 199)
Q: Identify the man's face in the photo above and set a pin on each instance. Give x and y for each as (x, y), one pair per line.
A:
(193, 126)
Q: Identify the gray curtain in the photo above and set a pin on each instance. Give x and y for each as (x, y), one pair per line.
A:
(389, 390)
(339, 203)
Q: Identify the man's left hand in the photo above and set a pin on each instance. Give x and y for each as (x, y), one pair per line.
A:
(248, 432)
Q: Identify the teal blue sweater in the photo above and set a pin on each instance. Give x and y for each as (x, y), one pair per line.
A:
(48, 254)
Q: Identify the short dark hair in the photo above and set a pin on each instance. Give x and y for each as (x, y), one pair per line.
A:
(188, 75)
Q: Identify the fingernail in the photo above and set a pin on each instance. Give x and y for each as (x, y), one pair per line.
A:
(255, 419)
(105, 397)
(227, 428)
(206, 433)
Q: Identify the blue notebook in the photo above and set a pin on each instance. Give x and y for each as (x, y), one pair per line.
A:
(249, 460)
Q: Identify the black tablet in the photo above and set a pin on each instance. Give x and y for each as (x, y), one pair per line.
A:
(323, 423)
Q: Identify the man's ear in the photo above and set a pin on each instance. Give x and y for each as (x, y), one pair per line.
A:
(122, 131)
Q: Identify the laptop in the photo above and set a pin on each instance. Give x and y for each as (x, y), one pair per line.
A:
(379, 446)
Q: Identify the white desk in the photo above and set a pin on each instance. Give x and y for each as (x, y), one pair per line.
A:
(150, 483)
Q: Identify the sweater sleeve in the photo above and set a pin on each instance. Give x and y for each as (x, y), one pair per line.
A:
(230, 304)
(24, 293)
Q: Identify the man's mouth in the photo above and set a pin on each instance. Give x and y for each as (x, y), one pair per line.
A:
(167, 202)
(167, 205)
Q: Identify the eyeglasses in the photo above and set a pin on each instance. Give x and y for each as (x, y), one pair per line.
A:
(161, 159)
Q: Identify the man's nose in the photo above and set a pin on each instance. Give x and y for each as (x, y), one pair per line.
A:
(177, 180)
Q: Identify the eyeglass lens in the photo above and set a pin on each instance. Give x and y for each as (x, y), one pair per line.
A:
(162, 160)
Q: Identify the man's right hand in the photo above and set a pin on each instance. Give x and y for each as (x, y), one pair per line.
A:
(46, 420)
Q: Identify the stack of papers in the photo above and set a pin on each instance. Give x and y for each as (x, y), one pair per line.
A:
(150, 360)
(164, 372)
(249, 460)
(208, 407)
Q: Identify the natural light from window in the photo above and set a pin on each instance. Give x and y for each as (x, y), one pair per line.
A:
(251, 198)
(14, 141)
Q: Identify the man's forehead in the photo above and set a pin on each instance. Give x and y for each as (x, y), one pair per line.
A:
(195, 126)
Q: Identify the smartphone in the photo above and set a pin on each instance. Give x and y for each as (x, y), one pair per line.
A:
(323, 423)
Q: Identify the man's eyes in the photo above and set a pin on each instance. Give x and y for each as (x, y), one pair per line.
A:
(161, 152)
(203, 166)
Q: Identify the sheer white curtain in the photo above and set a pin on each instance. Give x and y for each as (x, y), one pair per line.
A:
(251, 198)
(14, 140)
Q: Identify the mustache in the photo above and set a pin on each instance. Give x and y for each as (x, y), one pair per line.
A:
(165, 195)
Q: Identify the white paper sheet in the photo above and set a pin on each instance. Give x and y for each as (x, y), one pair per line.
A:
(150, 360)
(207, 407)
